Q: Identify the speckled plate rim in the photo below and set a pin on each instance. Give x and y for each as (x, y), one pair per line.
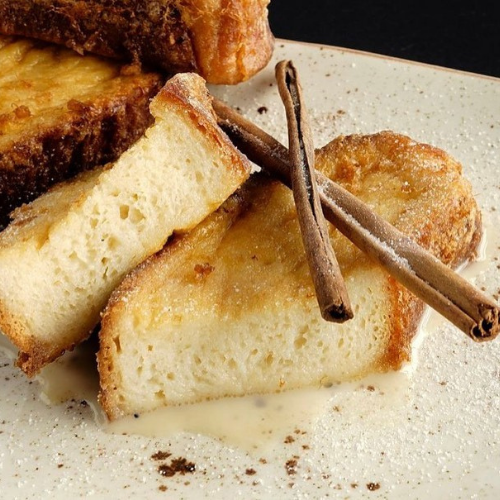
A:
(366, 53)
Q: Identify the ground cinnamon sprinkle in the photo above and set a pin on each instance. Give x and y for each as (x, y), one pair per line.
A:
(161, 455)
(291, 466)
(177, 466)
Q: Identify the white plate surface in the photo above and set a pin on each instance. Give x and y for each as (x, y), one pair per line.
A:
(430, 433)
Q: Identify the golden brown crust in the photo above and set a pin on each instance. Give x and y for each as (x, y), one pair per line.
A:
(92, 128)
(225, 41)
(233, 42)
(190, 94)
(18, 333)
(406, 316)
(441, 213)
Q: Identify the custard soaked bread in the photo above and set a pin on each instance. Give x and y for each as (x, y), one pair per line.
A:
(61, 113)
(229, 309)
(225, 41)
(64, 253)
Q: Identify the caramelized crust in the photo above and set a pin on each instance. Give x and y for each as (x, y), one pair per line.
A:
(61, 113)
(419, 189)
(225, 41)
(230, 309)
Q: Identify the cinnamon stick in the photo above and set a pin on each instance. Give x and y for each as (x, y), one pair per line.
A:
(328, 282)
(440, 287)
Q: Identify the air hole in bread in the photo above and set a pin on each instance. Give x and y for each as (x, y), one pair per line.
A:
(124, 211)
(118, 347)
(301, 340)
(160, 395)
(269, 359)
(113, 243)
(136, 216)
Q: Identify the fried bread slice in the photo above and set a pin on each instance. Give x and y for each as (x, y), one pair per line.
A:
(225, 41)
(64, 253)
(61, 113)
(229, 309)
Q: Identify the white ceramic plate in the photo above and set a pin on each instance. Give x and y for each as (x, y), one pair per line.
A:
(430, 433)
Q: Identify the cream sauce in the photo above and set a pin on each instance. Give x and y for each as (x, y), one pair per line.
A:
(6, 347)
(258, 423)
(73, 376)
(251, 423)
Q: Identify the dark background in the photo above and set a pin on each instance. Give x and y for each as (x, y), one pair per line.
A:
(460, 34)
